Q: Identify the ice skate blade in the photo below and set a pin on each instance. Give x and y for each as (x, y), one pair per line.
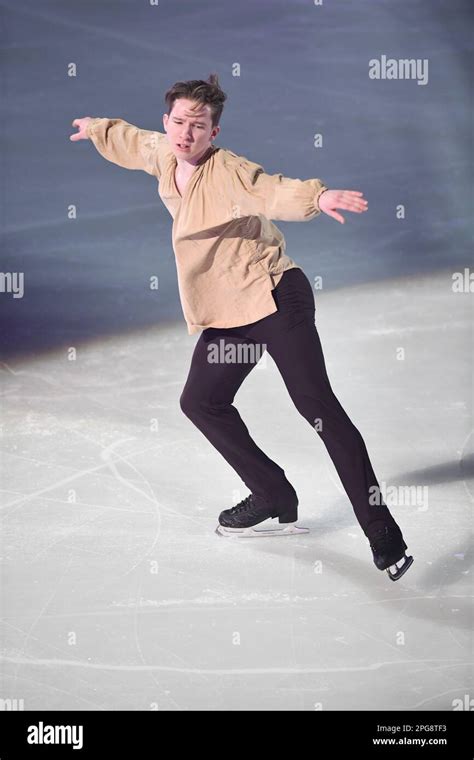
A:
(287, 529)
(395, 571)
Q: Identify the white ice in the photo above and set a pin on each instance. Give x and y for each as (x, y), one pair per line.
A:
(117, 593)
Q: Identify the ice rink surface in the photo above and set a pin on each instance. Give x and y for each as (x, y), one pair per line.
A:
(116, 594)
(108, 520)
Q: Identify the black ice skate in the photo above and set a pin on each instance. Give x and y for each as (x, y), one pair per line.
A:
(388, 549)
(240, 521)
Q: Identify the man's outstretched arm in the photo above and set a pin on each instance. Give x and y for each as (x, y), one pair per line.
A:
(292, 200)
(121, 143)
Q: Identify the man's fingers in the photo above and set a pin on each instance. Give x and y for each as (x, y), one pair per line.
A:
(337, 217)
(351, 202)
(352, 195)
(352, 206)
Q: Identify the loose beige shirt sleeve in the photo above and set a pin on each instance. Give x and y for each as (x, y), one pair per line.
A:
(126, 145)
(273, 195)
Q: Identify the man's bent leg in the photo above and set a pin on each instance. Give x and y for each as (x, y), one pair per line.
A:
(207, 401)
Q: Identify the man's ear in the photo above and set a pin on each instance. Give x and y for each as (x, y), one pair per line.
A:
(165, 120)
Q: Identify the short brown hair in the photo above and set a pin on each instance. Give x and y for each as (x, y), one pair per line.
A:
(200, 91)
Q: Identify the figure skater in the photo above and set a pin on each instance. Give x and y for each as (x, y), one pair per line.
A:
(242, 292)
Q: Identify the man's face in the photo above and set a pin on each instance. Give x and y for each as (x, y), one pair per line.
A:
(189, 129)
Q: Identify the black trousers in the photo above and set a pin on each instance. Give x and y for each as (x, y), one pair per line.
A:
(291, 338)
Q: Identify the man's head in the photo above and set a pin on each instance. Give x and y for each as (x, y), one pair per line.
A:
(192, 121)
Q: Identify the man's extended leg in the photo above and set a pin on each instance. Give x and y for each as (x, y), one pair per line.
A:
(293, 342)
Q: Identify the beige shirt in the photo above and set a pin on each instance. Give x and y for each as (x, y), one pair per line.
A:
(229, 255)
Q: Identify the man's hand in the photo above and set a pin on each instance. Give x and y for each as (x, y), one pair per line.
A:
(82, 125)
(351, 200)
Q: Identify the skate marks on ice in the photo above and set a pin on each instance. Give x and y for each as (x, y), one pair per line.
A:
(92, 429)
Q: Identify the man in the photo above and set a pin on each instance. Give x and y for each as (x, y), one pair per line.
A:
(238, 285)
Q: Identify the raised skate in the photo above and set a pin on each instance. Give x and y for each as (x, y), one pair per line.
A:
(388, 549)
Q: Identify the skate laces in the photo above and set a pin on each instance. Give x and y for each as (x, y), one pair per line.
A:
(384, 539)
(243, 506)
